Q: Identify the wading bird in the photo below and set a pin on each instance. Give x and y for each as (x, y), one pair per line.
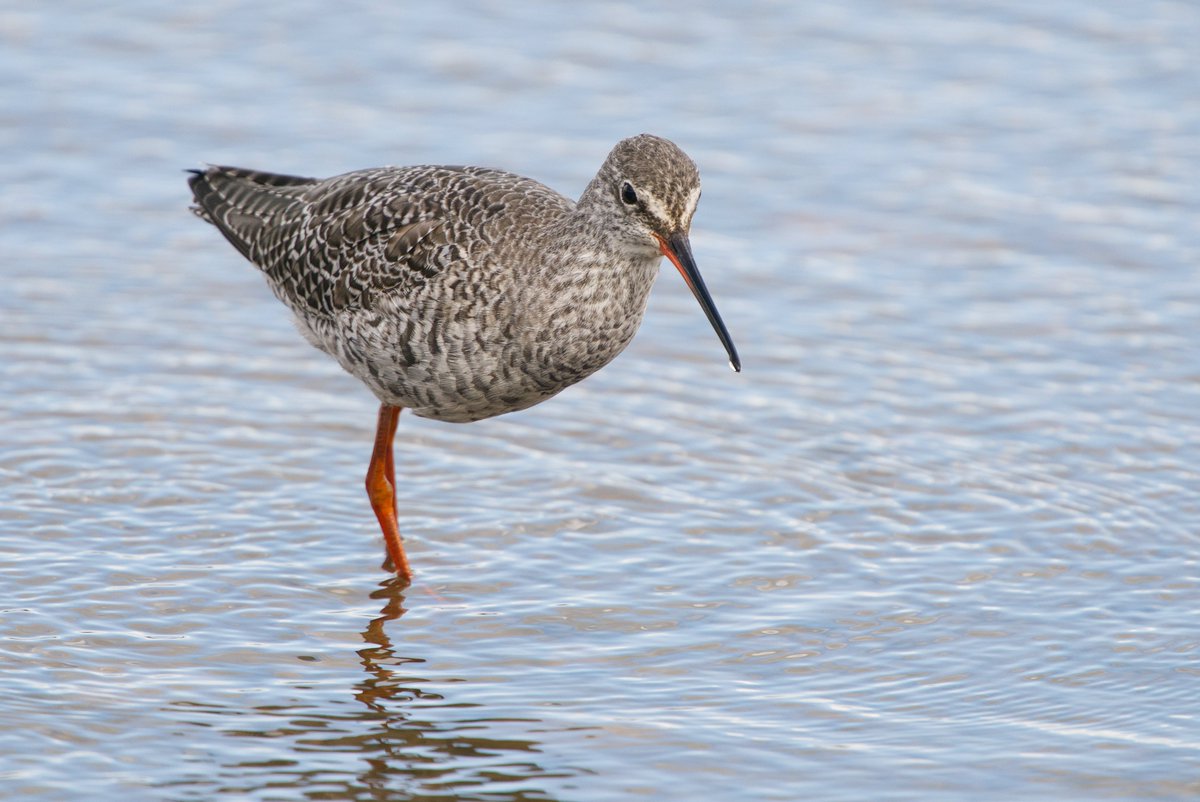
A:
(463, 292)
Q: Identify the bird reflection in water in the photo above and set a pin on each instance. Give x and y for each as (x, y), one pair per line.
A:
(412, 739)
(415, 751)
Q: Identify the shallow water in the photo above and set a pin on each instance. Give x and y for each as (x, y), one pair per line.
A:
(937, 542)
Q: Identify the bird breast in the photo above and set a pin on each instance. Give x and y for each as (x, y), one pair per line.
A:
(472, 350)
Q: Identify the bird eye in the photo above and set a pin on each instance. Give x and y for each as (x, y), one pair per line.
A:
(627, 194)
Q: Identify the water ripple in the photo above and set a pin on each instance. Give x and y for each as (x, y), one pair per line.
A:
(936, 542)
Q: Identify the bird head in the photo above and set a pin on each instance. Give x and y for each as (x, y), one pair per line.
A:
(647, 191)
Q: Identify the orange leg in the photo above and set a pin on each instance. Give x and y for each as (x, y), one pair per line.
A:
(390, 465)
(381, 489)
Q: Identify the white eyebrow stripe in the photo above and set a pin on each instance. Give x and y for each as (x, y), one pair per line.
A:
(655, 207)
(693, 200)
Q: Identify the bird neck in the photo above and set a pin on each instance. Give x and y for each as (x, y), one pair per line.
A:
(588, 260)
(590, 292)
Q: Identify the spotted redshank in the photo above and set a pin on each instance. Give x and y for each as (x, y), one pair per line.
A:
(463, 292)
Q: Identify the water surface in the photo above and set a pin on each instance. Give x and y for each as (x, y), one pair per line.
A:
(937, 542)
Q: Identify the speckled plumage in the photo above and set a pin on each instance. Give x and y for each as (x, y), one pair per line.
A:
(458, 292)
(463, 292)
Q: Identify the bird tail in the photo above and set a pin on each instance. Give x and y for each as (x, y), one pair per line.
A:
(240, 202)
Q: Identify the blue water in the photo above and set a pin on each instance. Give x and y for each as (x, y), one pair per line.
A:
(937, 542)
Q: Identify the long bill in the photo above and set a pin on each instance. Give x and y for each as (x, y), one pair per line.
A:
(679, 251)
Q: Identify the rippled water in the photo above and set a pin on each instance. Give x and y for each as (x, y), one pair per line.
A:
(937, 542)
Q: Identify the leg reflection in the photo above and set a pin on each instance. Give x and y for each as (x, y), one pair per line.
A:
(422, 742)
(379, 659)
